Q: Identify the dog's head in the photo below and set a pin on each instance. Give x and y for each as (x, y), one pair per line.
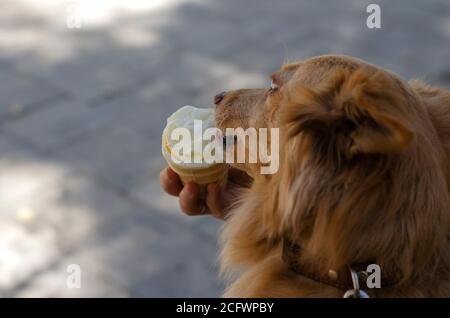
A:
(362, 169)
(344, 107)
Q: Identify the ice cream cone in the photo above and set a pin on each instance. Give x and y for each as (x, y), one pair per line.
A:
(200, 173)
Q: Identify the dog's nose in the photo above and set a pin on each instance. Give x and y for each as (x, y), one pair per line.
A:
(219, 97)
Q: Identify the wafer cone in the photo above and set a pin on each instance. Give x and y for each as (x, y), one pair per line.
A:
(201, 174)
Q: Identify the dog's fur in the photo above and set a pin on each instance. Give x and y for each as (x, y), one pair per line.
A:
(364, 175)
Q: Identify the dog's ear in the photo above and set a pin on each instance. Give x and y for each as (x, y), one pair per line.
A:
(376, 104)
(366, 106)
(380, 134)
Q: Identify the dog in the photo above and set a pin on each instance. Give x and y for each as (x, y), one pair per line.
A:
(364, 179)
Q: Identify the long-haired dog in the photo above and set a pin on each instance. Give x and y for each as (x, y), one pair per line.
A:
(364, 179)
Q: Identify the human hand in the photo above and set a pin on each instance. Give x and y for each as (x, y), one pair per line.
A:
(217, 202)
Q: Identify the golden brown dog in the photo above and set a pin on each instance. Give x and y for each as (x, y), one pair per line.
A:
(364, 177)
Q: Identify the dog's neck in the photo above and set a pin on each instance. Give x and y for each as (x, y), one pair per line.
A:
(376, 212)
(340, 278)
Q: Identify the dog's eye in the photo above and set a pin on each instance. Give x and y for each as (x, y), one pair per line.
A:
(273, 86)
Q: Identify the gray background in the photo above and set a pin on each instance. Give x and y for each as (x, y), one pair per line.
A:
(81, 113)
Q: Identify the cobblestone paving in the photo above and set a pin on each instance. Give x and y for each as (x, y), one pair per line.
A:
(81, 112)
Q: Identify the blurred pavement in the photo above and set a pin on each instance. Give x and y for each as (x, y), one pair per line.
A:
(82, 110)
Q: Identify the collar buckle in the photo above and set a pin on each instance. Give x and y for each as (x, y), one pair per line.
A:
(356, 292)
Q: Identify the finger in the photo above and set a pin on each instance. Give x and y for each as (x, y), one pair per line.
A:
(170, 182)
(190, 203)
(213, 200)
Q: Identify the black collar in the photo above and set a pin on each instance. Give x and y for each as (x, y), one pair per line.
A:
(339, 278)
